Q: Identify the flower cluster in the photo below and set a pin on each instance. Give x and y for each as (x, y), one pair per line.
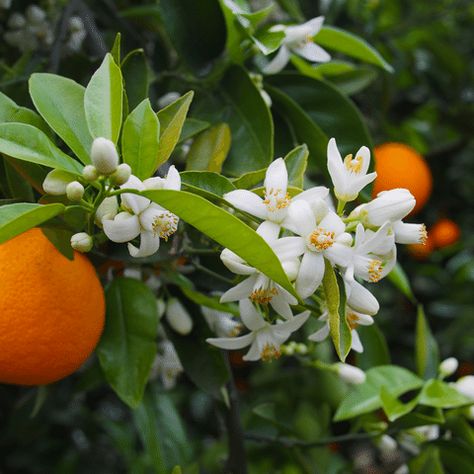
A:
(305, 231)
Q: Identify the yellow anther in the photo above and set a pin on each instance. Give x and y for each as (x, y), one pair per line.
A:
(354, 165)
(165, 224)
(352, 320)
(321, 239)
(423, 234)
(276, 200)
(263, 295)
(269, 352)
(375, 270)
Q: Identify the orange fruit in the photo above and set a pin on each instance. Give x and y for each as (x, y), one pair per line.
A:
(422, 251)
(400, 166)
(51, 310)
(445, 232)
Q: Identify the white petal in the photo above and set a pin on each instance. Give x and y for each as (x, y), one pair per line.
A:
(173, 179)
(291, 268)
(250, 316)
(310, 275)
(276, 177)
(281, 306)
(314, 25)
(231, 343)
(321, 334)
(409, 233)
(269, 231)
(278, 62)
(123, 228)
(154, 183)
(335, 165)
(148, 216)
(287, 295)
(301, 218)
(311, 194)
(361, 182)
(364, 153)
(247, 201)
(292, 324)
(356, 344)
(288, 248)
(339, 254)
(239, 291)
(134, 202)
(149, 245)
(364, 319)
(361, 299)
(312, 52)
(333, 223)
(235, 264)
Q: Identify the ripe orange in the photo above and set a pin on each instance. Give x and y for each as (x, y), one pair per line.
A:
(400, 166)
(422, 251)
(51, 311)
(445, 232)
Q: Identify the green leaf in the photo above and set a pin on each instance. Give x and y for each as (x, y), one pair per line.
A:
(456, 456)
(268, 41)
(30, 172)
(11, 112)
(127, 348)
(210, 149)
(419, 418)
(196, 354)
(375, 347)
(393, 407)
(225, 229)
(296, 161)
(18, 188)
(350, 44)
(171, 120)
(116, 48)
(191, 128)
(161, 431)
(334, 113)
(365, 398)
(234, 35)
(25, 142)
(426, 348)
(336, 306)
(206, 183)
(18, 218)
(428, 461)
(135, 76)
(61, 239)
(209, 301)
(103, 101)
(61, 103)
(438, 394)
(400, 280)
(140, 140)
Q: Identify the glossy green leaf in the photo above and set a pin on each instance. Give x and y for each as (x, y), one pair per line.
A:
(172, 119)
(195, 354)
(421, 416)
(103, 101)
(11, 112)
(393, 407)
(328, 108)
(234, 33)
(30, 172)
(61, 103)
(268, 41)
(296, 162)
(365, 398)
(116, 48)
(140, 140)
(17, 218)
(400, 280)
(428, 461)
(225, 229)
(210, 149)
(456, 456)
(18, 188)
(135, 77)
(192, 127)
(162, 432)
(426, 347)
(438, 394)
(61, 239)
(209, 301)
(376, 350)
(25, 142)
(351, 45)
(128, 345)
(206, 183)
(335, 294)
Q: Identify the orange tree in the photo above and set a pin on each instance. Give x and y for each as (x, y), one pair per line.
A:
(213, 161)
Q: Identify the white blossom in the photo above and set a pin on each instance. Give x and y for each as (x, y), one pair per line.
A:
(82, 242)
(350, 374)
(104, 155)
(167, 364)
(178, 317)
(223, 324)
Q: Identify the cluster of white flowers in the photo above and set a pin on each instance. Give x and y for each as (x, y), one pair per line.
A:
(35, 30)
(136, 216)
(360, 246)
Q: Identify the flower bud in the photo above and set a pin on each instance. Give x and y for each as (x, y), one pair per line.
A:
(178, 318)
(82, 242)
(104, 156)
(392, 205)
(107, 209)
(16, 21)
(167, 99)
(409, 233)
(56, 182)
(350, 374)
(161, 306)
(361, 299)
(465, 386)
(403, 469)
(89, 173)
(35, 14)
(448, 366)
(74, 191)
(386, 444)
(121, 174)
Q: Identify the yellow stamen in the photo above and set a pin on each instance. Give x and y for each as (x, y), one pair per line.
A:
(354, 165)
(423, 234)
(321, 239)
(375, 270)
(352, 320)
(269, 352)
(165, 224)
(275, 200)
(263, 295)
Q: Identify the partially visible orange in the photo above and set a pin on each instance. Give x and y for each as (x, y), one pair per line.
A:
(51, 310)
(445, 232)
(400, 166)
(422, 251)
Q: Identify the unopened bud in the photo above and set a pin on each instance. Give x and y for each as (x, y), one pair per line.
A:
(448, 366)
(161, 306)
(82, 242)
(465, 386)
(104, 156)
(56, 182)
(386, 444)
(121, 174)
(74, 191)
(89, 173)
(35, 14)
(16, 21)
(350, 374)
(178, 318)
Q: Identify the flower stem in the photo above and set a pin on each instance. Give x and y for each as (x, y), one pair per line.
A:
(340, 207)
